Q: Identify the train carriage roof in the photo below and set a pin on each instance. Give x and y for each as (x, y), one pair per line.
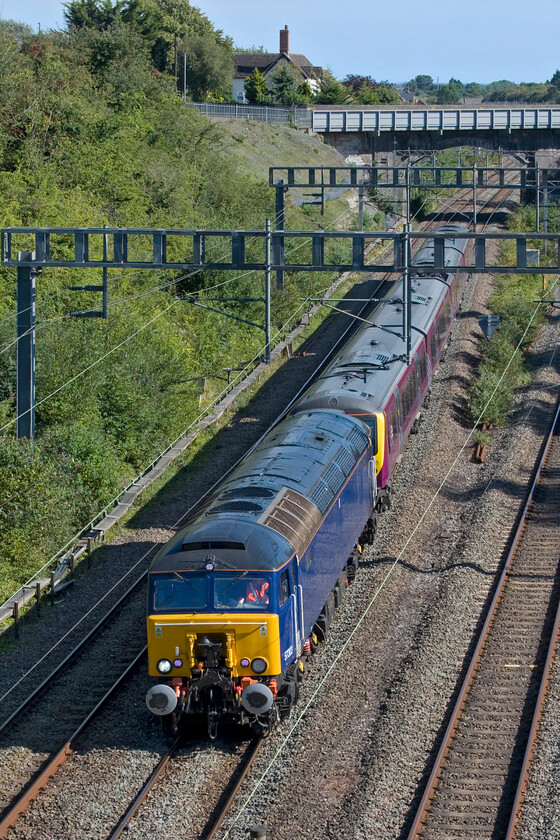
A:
(270, 506)
(362, 377)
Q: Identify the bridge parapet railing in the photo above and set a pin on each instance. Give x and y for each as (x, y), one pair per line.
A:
(441, 119)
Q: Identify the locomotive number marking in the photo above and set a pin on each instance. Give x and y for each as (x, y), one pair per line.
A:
(288, 653)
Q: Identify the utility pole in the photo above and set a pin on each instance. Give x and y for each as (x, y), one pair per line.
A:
(474, 175)
(25, 386)
(175, 62)
(408, 194)
(545, 208)
(361, 207)
(267, 295)
(280, 223)
(538, 196)
(407, 292)
(185, 76)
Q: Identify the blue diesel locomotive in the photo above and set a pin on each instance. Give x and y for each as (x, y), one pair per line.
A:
(240, 595)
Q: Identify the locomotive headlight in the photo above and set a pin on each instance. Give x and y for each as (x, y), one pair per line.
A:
(164, 666)
(245, 663)
(259, 665)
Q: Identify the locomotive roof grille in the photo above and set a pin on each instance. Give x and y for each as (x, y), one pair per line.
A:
(235, 507)
(357, 439)
(321, 495)
(345, 460)
(248, 492)
(213, 545)
(333, 476)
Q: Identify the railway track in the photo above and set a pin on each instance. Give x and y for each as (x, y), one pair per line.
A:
(477, 784)
(223, 805)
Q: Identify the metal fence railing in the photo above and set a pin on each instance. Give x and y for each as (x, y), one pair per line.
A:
(298, 115)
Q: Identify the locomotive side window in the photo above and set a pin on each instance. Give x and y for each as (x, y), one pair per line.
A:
(292, 577)
(284, 587)
(180, 592)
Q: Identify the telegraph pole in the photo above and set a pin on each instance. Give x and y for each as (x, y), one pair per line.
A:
(267, 296)
(25, 386)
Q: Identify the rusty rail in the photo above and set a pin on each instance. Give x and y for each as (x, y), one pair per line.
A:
(422, 827)
(52, 765)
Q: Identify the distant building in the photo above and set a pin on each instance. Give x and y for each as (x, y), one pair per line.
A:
(410, 98)
(269, 63)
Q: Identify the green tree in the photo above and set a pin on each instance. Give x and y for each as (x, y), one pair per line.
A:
(161, 21)
(304, 92)
(332, 92)
(448, 95)
(421, 84)
(378, 95)
(284, 85)
(457, 83)
(96, 14)
(474, 89)
(256, 89)
(555, 80)
(18, 31)
(209, 66)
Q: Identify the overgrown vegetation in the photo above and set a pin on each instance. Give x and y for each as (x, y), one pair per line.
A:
(514, 300)
(92, 132)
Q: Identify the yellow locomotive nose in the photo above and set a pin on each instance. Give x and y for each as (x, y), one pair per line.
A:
(244, 644)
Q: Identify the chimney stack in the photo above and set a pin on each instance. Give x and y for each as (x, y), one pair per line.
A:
(285, 40)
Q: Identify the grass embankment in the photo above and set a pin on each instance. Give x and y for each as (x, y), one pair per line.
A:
(505, 365)
(84, 144)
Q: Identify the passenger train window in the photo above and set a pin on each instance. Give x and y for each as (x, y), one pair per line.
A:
(284, 590)
(422, 367)
(394, 429)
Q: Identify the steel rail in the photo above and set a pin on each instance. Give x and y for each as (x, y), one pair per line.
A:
(431, 785)
(22, 802)
(214, 823)
(156, 774)
(71, 656)
(543, 689)
(210, 831)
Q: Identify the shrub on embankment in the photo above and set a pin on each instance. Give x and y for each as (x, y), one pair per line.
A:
(92, 134)
(504, 365)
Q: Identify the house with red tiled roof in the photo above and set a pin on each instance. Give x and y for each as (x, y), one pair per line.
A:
(269, 63)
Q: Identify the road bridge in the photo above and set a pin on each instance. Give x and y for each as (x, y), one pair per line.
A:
(373, 131)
